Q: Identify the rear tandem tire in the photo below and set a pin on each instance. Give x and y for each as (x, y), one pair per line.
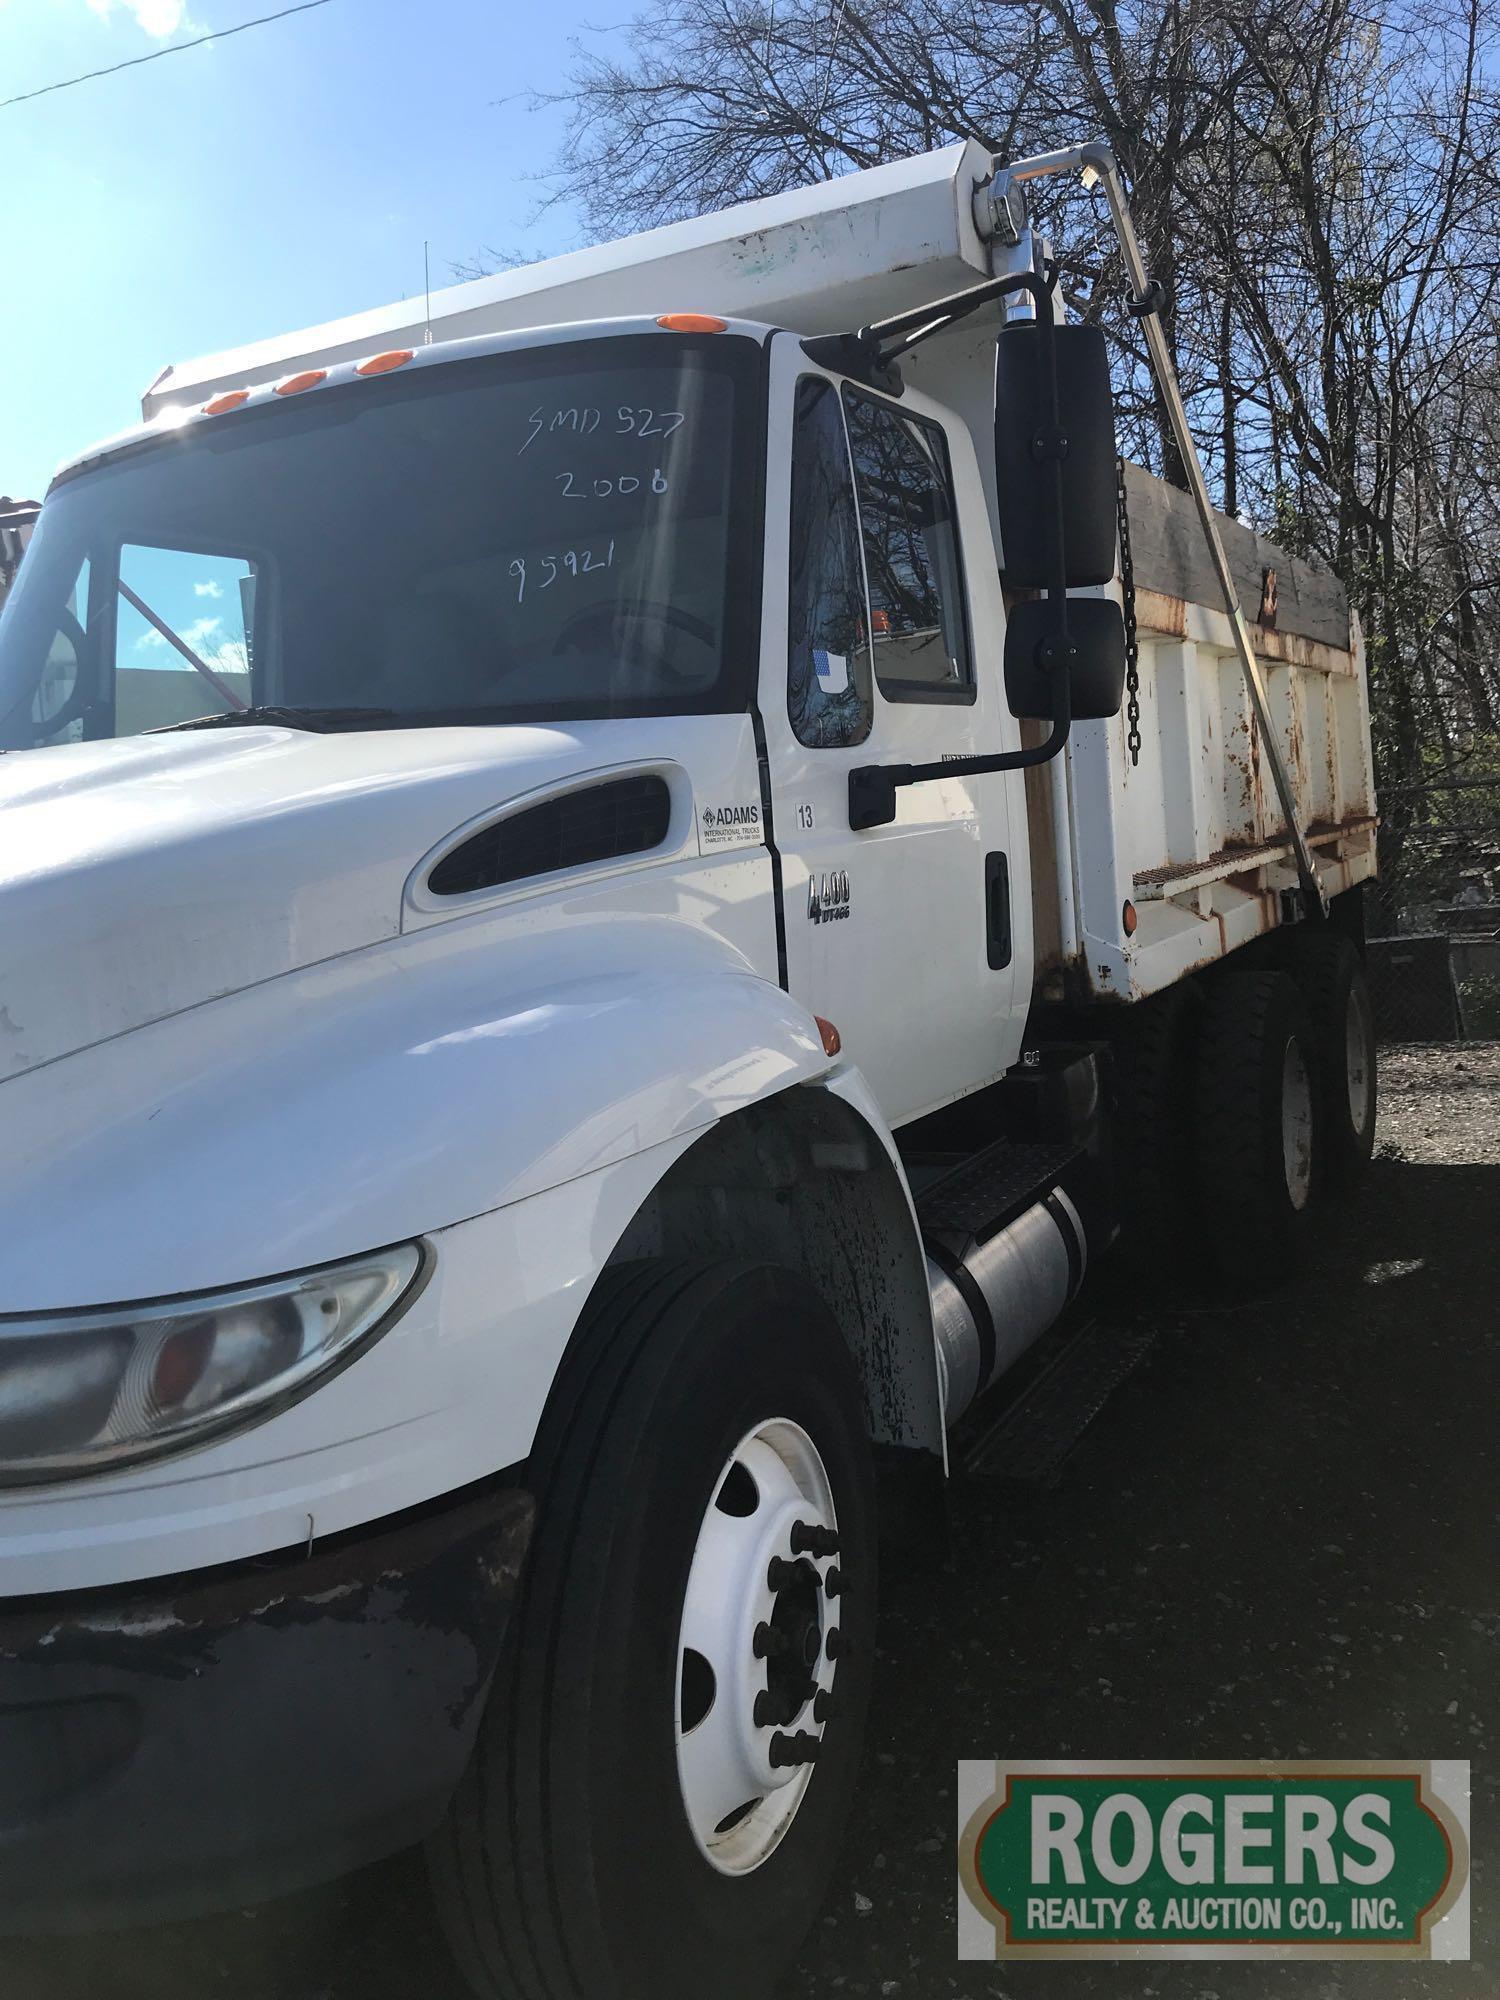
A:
(1331, 978)
(1257, 1122)
(1154, 1049)
(569, 1867)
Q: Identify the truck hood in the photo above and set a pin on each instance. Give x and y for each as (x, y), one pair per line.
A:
(146, 875)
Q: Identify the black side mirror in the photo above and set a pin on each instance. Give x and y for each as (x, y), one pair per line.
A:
(1025, 455)
(1095, 664)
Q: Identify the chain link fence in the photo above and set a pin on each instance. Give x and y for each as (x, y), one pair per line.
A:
(1435, 987)
(1435, 972)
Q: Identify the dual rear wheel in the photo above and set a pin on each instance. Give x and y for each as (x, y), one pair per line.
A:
(1245, 1099)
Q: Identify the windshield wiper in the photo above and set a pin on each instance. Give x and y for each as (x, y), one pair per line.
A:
(291, 718)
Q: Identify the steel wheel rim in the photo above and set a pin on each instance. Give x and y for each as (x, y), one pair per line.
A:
(1359, 1056)
(762, 1634)
(1296, 1125)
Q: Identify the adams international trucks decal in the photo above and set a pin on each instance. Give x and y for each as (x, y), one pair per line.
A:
(729, 826)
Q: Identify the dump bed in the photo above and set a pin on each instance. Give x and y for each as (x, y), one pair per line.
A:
(1191, 836)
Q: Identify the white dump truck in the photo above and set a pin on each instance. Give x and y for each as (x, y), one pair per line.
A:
(609, 892)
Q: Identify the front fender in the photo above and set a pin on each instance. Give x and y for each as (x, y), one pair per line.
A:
(385, 1094)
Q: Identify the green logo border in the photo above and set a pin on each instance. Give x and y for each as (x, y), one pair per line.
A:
(1414, 1945)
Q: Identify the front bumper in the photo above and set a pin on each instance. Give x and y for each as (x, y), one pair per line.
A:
(181, 1746)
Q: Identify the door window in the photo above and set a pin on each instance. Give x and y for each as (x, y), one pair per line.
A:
(828, 667)
(182, 636)
(917, 624)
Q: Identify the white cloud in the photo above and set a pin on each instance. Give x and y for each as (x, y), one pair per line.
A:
(196, 635)
(209, 589)
(157, 18)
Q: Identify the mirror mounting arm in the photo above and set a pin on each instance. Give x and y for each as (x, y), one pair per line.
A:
(873, 787)
(871, 354)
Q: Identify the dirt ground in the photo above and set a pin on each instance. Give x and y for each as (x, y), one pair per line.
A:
(1277, 1537)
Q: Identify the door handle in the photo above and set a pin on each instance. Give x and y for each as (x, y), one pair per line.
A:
(997, 911)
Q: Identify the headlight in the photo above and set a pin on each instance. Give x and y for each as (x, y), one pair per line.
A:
(82, 1392)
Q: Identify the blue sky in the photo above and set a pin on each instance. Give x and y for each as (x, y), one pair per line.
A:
(269, 180)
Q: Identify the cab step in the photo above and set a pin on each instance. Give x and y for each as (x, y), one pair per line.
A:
(973, 1199)
(1037, 1430)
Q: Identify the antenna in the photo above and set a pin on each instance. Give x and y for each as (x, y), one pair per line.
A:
(427, 291)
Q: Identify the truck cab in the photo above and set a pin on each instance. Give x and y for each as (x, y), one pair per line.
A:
(564, 532)
(510, 1152)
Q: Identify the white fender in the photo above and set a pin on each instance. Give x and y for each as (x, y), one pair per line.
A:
(379, 1096)
(514, 1101)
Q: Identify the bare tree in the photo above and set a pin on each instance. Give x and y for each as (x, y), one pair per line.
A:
(1314, 187)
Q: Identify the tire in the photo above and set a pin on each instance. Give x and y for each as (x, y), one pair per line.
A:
(1154, 1052)
(569, 1868)
(1330, 976)
(1257, 1119)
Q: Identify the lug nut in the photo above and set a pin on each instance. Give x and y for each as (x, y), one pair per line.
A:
(768, 1643)
(833, 1582)
(799, 1749)
(774, 1711)
(810, 1540)
(832, 1643)
(824, 1706)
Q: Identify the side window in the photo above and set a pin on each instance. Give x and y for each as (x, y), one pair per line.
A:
(828, 666)
(182, 636)
(917, 620)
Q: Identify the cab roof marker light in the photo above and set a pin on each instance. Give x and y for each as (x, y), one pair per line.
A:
(308, 379)
(230, 400)
(692, 323)
(382, 364)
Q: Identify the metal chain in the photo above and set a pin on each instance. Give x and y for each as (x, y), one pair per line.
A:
(1132, 644)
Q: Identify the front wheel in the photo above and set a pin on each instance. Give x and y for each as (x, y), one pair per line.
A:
(673, 1735)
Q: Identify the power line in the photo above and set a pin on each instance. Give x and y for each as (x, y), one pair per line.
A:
(219, 35)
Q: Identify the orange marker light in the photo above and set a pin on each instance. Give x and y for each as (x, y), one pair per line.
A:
(308, 379)
(833, 1041)
(1128, 919)
(230, 400)
(692, 323)
(382, 364)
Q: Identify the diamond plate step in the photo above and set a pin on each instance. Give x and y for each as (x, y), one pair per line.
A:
(991, 1188)
(1033, 1436)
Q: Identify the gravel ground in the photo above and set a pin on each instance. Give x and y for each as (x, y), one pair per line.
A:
(1441, 1103)
(1278, 1538)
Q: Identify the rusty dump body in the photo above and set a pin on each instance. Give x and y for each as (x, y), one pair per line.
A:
(1192, 835)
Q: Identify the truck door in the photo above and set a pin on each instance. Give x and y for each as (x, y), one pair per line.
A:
(912, 938)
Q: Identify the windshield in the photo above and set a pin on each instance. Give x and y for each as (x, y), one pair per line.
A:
(560, 531)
